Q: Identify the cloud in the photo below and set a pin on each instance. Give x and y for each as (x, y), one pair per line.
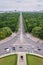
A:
(39, 0)
(21, 5)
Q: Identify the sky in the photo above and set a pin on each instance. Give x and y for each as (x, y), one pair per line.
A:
(21, 5)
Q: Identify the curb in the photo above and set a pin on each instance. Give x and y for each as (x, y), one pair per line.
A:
(7, 55)
(35, 54)
(21, 52)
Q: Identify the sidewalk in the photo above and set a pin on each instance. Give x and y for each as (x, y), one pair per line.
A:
(33, 38)
(21, 61)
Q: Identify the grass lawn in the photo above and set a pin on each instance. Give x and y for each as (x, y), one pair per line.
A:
(34, 60)
(9, 60)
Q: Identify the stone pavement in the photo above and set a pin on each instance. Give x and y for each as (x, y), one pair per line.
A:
(21, 61)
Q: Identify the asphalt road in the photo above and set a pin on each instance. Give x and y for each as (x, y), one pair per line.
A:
(21, 43)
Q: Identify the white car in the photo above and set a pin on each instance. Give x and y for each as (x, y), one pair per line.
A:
(35, 50)
(7, 49)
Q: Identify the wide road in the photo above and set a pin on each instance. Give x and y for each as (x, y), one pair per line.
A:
(21, 43)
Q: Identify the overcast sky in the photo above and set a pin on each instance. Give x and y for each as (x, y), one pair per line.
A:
(24, 5)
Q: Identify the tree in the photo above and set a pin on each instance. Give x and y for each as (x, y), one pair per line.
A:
(7, 31)
(29, 27)
(36, 31)
(2, 35)
(41, 34)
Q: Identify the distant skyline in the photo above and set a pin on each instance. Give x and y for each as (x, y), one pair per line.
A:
(21, 5)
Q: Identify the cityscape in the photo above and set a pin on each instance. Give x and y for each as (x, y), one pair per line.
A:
(21, 32)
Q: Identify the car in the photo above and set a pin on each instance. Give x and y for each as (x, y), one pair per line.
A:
(13, 48)
(39, 49)
(35, 50)
(20, 47)
(7, 49)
